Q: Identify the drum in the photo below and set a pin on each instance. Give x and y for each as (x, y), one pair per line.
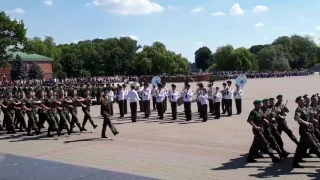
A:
(180, 101)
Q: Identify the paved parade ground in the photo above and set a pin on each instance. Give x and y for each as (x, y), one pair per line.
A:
(161, 149)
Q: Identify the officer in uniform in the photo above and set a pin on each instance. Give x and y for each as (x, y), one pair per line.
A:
(160, 95)
(105, 112)
(133, 99)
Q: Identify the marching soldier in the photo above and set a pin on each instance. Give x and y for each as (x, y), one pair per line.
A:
(238, 93)
(173, 97)
(305, 131)
(134, 99)
(105, 110)
(255, 119)
(282, 123)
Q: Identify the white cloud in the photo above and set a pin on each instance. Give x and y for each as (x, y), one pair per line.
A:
(259, 24)
(197, 10)
(131, 36)
(15, 11)
(76, 41)
(48, 2)
(236, 10)
(260, 8)
(128, 7)
(317, 28)
(218, 14)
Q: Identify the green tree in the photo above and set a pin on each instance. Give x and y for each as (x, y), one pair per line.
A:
(35, 72)
(12, 35)
(222, 56)
(273, 58)
(18, 69)
(242, 59)
(203, 58)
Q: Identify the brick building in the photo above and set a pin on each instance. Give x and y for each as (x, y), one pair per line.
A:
(45, 63)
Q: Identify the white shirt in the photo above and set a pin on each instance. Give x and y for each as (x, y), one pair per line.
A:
(238, 93)
(120, 96)
(229, 93)
(126, 94)
(203, 98)
(173, 95)
(160, 96)
(140, 92)
(154, 91)
(146, 94)
(133, 96)
(166, 91)
(211, 94)
(111, 96)
(218, 97)
(187, 96)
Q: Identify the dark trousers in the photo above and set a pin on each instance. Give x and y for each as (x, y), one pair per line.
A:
(282, 126)
(211, 104)
(146, 108)
(217, 110)
(160, 109)
(133, 109)
(125, 106)
(306, 141)
(165, 101)
(121, 107)
(223, 105)
(199, 107)
(228, 104)
(187, 108)
(238, 105)
(154, 102)
(107, 122)
(174, 110)
(259, 143)
(141, 105)
(111, 108)
(204, 112)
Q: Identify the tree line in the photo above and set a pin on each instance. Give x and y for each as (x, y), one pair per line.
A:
(284, 53)
(124, 56)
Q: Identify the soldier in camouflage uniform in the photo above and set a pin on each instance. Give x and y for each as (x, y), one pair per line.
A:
(61, 101)
(306, 133)
(29, 105)
(282, 123)
(49, 105)
(86, 103)
(266, 114)
(105, 112)
(255, 119)
(8, 108)
(73, 109)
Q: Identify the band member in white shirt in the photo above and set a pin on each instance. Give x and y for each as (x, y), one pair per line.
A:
(120, 98)
(198, 100)
(238, 93)
(173, 97)
(217, 102)
(154, 99)
(211, 91)
(160, 95)
(203, 97)
(110, 96)
(140, 96)
(165, 101)
(125, 101)
(223, 99)
(133, 99)
(146, 96)
(229, 98)
(187, 99)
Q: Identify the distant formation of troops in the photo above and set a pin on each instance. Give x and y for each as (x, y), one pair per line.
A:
(268, 121)
(266, 74)
(55, 105)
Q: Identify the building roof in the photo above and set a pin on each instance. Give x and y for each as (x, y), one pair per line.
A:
(30, 57)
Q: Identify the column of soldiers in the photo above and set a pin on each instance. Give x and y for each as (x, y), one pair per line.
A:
(54, 105)
(268, 121)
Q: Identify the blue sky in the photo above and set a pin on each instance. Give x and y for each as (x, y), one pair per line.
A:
(183, 25)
